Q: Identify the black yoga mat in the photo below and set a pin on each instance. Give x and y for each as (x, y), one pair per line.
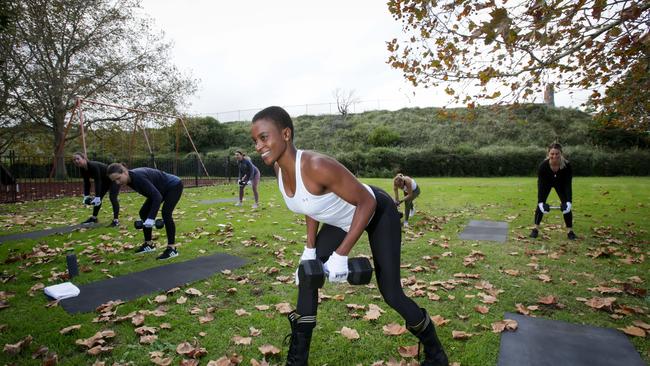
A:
(485, 230)
(545, 342)
(46, 232)
(158, 279)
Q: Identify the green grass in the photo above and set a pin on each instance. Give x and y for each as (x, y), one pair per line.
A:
(609, 214)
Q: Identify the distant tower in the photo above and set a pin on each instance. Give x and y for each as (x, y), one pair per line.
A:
(549, 95)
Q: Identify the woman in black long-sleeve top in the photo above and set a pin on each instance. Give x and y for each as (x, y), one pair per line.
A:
(554, 172)
(159, 188)
(97, 172)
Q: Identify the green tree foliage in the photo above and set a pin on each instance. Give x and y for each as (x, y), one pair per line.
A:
(383, 136)
(207, 134)
(511, 48)
(99, 49)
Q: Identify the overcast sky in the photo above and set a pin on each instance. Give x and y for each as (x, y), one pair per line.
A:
(250, 54)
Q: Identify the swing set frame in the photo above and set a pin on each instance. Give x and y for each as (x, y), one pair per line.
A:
(77, 109)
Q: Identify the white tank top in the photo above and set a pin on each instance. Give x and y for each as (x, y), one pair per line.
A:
(413, 185)
(327, 208)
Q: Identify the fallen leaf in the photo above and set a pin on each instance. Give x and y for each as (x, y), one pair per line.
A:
(393, 329)
(633, 331)
(407, 351)
(349, 333)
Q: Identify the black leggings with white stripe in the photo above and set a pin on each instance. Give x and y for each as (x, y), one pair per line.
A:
(385, 236)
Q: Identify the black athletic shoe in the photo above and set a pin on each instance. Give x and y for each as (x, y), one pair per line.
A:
(114, 223)
(145, 248)
(534, 233)
(571, 235)
(168, 253)
(90, 220)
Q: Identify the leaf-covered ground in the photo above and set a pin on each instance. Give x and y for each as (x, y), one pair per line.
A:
(238, 317)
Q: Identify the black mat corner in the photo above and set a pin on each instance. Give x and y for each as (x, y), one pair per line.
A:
(485, 230)
(545, 342)
(46, 232)
(152, 280)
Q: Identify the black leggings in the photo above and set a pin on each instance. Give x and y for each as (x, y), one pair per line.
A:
(385, 236)
(170, 199)
(545, 191)
(114, 189)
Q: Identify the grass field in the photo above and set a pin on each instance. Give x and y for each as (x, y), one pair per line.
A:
(611, 217)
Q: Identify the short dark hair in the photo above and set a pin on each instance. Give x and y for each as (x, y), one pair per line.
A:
(80, 154)
(115, 168)
(277, 115)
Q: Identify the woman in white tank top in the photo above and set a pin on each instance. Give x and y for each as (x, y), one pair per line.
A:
(411, 192)
(331, 197)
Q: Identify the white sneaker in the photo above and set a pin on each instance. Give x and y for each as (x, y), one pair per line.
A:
(238, 204)
(412, 212)
(255, 205)
(406, 224)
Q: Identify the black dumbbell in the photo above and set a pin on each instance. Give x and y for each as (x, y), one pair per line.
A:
(88, 200)
(312, 273)
(138, 224)
(547, 207)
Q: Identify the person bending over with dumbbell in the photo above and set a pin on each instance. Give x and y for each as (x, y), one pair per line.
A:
(326, 192)
(554, 172)
(411, 192)
(97, 171)
(159, 188)
(248, 172)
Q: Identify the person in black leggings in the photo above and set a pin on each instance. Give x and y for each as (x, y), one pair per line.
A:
(327, 193)
(554, 172)
(159, 187)
(97, 171)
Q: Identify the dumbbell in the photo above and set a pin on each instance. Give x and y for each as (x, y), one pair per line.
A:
(560, 207)
(139, 225)
(312, 272)
(88, 200)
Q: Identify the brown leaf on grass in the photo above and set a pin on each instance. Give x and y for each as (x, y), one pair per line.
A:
(439, 320)
(69, 329)
(262, 307)
(242, 312)
(601, 302)
(547, 300)
(459, 334)
(482, 309)
(254, 332)
(165, 326)
(51, 359)
(160, 361)
(605, 290)
(181, 300)
(506, 324)
(269, 350)
(184, 348)
(633, 331)
(283, 308)
(238, 340)
(407, 351)
(255, 362)
(512, 272)
(137, 320)
(145, 330)
(37, 287)
(160, 299)
(634, 291)
(372, 314)
(13, 349)
(148, 339)
(349, 333)
(97, 350)
(641, 324)
(521, 309)
(544, 278)
(206, 319)
(40, 352)
(191, 362)
(193, 292)
(393, 329)
(222, 361)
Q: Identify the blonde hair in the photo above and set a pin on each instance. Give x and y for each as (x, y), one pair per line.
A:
(399, 177)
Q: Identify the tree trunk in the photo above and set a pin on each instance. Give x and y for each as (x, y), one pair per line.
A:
(60, 171)
(549, 95)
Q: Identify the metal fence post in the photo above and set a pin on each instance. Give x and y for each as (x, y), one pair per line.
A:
(196, 171)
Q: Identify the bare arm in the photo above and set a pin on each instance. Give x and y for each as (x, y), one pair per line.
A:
(312, 229)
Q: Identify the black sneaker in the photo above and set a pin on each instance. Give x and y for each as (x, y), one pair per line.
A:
(114, 223)
(534, 233)
(168, 253)
(145, 248)
(571, 235)
(90, 220)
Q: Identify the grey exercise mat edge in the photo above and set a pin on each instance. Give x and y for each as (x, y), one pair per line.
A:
(545, 342)
(47, 232)
(152, 280)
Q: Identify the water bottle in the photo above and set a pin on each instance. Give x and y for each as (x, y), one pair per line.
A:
(73, 268)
